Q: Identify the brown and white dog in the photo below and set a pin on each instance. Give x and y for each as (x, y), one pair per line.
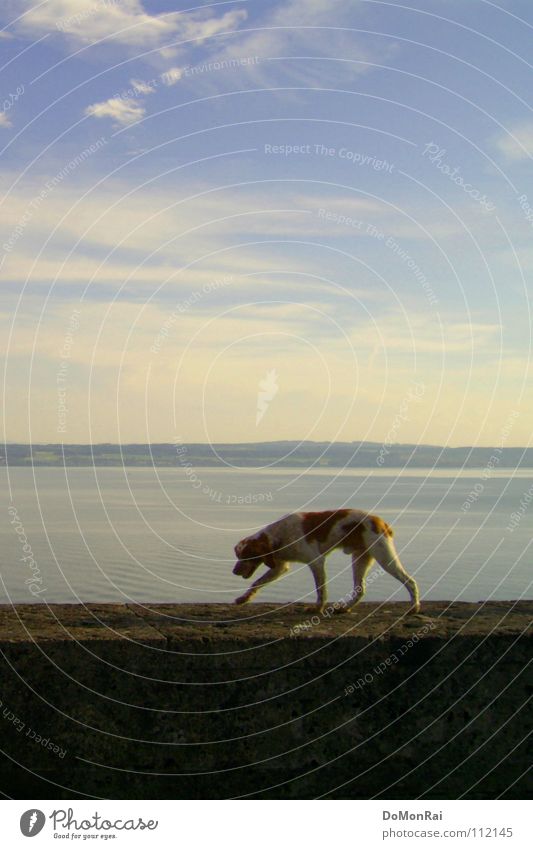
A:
(309, 538)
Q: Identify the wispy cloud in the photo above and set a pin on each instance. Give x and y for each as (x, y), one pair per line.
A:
(142, 86)
(125, 22)
(293, 28)
(172, 76)
(4, 120)
(123, 111)
(136, 223)
(517, 143)
(311, 28)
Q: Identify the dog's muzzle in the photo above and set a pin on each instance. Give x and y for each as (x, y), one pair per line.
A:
(245, 568)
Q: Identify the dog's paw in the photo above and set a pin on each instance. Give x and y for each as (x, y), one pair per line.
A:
(308, 608)
(340, 608)
(241, 600)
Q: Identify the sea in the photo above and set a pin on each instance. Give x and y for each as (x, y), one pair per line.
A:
(167, 534)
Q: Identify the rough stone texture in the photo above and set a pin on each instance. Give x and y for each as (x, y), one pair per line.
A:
(217, 701)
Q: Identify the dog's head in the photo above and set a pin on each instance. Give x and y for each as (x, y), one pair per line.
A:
(251, 552)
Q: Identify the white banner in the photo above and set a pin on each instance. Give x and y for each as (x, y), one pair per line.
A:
(283, 823)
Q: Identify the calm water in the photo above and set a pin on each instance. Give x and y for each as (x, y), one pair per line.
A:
(155, 535)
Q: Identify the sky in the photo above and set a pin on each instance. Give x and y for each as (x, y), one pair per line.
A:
(251, 221)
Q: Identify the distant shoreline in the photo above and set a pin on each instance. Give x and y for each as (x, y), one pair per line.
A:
(282, 454)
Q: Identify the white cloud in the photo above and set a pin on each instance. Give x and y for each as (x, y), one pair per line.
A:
(142, 87)
(123, 21)
(198, 27)
(306, 12)
(423, 335)
(517, 143)
(137, 223)
(124, 111)
(313, 28)
(92, 20)
(4, 120)
(172, 76)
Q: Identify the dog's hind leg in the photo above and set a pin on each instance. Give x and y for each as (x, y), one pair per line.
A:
(273, 574)
(385, 553)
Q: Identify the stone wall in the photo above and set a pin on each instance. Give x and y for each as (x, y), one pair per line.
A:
(217, 701)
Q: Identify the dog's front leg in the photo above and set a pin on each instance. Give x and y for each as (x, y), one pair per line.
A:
(318, 568)
(273, 574)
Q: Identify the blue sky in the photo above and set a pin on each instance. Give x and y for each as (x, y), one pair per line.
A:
(324, 204)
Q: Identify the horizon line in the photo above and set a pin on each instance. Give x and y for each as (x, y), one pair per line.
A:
(271, 442)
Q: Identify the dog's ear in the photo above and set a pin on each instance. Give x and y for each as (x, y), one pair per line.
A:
(254, 547)
(263, 545)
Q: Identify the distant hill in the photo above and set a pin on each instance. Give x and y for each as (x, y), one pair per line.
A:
(282, 453)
